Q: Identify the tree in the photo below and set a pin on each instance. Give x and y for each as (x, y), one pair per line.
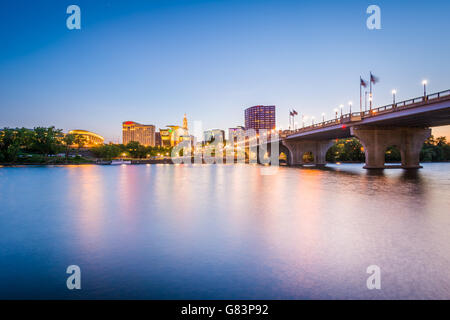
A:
(80, 141)
(132, 148)
(137, 150)
(107, 151)
(69, 140)
(435, 149)
(11, 141)
(46, 140)
(441, 141)
(392, 154)
(353, 150)
(446, 152)
(346, 150)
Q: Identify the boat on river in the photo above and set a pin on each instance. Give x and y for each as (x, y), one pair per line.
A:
(120, 162)
(114, 162)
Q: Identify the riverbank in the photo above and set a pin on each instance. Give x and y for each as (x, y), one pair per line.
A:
(169, 161)
(81, 163)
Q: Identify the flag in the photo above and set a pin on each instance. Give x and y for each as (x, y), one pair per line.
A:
(373, 79)
(294, 112)
(362, 82)
(291, 113)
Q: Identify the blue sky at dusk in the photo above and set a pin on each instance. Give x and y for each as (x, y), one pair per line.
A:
(153, 61)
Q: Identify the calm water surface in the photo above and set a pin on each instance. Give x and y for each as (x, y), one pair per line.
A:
(224, 231)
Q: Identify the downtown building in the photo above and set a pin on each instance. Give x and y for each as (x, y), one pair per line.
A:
(260, 117)
(213, 134)
(91, 139)
(158, 141)
(172, 135)
(142, 133)
(235, 133)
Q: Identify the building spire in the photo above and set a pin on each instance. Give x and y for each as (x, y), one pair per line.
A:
(185, 123)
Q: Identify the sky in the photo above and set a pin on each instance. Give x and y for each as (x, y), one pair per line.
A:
(153, 61)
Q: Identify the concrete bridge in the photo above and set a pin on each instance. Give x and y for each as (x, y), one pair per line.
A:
(405, 125)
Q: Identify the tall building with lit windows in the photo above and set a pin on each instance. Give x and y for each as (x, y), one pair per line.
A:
(260, 117)
(142, 133)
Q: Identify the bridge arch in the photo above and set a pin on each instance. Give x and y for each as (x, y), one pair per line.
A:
(316, 148)
(350, 149)
(284, 154)
(283, 150)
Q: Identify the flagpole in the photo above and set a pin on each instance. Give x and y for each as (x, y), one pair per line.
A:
(290, 120)
(293, 119)
(293, 113)
(365, 101)
(371, 97)
(360, 95)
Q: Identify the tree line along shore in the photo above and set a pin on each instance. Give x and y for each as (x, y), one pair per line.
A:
(43, 145)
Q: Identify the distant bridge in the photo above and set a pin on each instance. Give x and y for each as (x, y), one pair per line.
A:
(405, 124)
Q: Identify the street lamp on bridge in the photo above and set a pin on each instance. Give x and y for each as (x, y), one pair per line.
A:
(425, 82)
(341, 107)
(323, 116)
(350, 105)
(394, 92)
(312, 120)
(336, 111)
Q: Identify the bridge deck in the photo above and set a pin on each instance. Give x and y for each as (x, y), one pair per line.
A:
(427, 111)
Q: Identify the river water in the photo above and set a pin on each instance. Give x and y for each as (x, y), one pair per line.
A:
(224, 232)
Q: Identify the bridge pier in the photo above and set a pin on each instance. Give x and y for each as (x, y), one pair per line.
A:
(318, 148)
(377, 139)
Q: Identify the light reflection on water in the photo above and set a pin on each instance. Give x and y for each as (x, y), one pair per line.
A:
(224, 231)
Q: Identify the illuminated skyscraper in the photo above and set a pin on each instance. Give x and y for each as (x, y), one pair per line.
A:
(133, 131)
(260, 117)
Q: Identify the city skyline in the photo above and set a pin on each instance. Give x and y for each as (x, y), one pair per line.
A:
(156, 61)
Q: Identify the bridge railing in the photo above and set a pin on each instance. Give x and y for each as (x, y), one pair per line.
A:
(439, 95)
(358, 116)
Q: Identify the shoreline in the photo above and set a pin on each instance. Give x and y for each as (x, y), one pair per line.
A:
(166, 161)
